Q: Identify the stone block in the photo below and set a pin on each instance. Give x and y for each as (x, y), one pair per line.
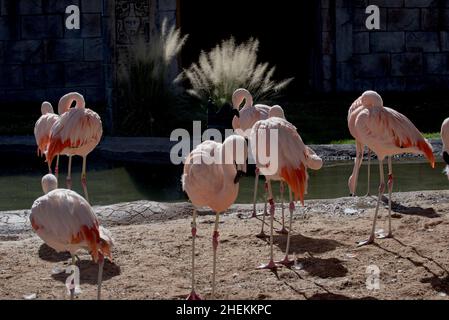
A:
(90, 25)
(43, 75)
(327, 43)
(11, 76)
(327, 67)
(42, 27)
(30, 7)
(93, 49)
(361, 85)
(390, 84)
(387, 41)
(94, 96)
(361, 42)
(24, 51)
(91, 6)
(166, 5)
(422, 41)
(59, 6)
(371, 65)
(345, 76)
(326, 20)
(420, 3)
(387, 3)
(403, 19)
(406, 64)
(436, 63)
(343, 35)
(444, 40)
(84, 74)
(64, 50)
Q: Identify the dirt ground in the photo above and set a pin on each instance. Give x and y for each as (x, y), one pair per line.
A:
(152, 261)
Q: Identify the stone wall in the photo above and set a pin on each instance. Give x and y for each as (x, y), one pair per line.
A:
(41, 60)
(410, 52)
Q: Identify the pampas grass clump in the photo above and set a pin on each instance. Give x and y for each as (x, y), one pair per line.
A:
(229, 66)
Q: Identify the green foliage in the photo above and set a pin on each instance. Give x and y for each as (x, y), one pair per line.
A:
(230, 66)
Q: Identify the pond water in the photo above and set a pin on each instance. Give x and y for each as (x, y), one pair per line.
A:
(118, 182)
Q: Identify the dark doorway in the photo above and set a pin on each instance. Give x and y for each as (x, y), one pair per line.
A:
(288, 31)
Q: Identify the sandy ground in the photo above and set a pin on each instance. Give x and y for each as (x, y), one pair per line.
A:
(152, 260)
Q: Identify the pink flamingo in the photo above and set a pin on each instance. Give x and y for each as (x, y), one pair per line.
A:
(445, 138)
(386, 132)
(42, 130)
(66, 222)
(77, 132)
(352, 182)
(211, 178)
(288, 164)
(249, 115)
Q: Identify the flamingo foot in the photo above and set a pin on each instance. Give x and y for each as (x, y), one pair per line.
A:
(270, 266)
(193, 296)
(282, 231)
(385, 236)
(366, 242)
(286, 262)
(262, 235)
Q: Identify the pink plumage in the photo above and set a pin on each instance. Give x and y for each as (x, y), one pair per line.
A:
(42, 128)
(249, 113)
(77, 132)
(386, 131)
(66, 222)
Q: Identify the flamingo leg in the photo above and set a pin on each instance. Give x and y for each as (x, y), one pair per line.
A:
(281, 191)
(72, 290)
(271, 265)
(100, 275)
(256, 184)
(369, 172)
(193, 295)
(215, 236)
(57, 167)
(84, 179)
(262, 234)
(287, 262)
(381, 191)
(355, 171)
(390, 191)
(69, 174)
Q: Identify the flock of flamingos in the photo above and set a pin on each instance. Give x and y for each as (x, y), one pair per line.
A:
(66, 221)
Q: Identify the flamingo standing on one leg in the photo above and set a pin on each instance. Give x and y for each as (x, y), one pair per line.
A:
(249, 114)
(288, 163)
(211, 178)
(445, 138)
(386, 132)
(77, 132)
(352, 182)
(42, 130)
(66, 222)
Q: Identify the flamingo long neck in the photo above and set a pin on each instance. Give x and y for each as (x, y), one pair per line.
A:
(243, 94)
(66, 102)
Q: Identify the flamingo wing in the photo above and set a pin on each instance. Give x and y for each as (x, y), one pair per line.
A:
(76, 128)
(388, 132)
(42, 130)
(66, 222)
(291, 162)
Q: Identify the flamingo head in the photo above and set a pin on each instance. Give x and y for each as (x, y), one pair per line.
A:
(239, 96)
(46, 107)
(49, 183)
(371, 99)
(235, 151)
(106, 242)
